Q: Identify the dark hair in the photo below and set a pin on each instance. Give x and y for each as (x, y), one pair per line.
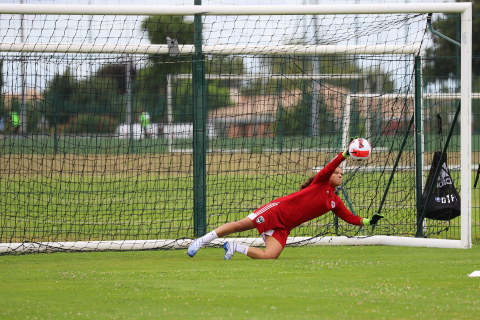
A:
(307, 183)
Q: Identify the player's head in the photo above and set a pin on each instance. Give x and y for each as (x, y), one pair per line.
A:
(337, 177)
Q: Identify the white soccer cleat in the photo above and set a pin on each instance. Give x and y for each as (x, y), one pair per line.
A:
(194, 247)
(229, 250)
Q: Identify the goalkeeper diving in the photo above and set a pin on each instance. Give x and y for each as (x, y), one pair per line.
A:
(275, 220)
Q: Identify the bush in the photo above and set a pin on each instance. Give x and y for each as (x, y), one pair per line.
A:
(88, 123)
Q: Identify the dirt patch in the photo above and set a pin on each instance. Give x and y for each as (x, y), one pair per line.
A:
(27, 165)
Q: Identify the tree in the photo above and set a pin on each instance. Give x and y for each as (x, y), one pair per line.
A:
(441, 58)
(57, 106)
(94, 105)
(150, 87)
(117, 72)
(159, 28)
(2, 108)
(1, 75)
(150, 90)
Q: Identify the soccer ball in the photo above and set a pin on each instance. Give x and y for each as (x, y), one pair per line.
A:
(360, 149)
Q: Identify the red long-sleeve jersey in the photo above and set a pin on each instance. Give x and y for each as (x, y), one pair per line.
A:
(315, 200)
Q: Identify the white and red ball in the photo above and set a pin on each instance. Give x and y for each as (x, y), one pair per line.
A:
(360, 149)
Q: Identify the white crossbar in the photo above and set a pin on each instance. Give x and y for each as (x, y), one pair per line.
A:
(216, 49)
(233, 10)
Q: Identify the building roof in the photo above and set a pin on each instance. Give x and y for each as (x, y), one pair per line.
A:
(255, 106)
(263, 108)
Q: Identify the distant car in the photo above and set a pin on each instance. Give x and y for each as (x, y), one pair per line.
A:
(185, 130)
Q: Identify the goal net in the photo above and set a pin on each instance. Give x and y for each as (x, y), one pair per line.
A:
(145, 127)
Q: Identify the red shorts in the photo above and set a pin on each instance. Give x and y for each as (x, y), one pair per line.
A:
(267, 221)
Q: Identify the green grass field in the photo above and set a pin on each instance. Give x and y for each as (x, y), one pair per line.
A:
(112, 195)
(94, 189)
(105, 144)
(304, 283)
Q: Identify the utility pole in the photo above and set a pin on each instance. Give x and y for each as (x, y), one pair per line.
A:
(316, 85)
(23, 109)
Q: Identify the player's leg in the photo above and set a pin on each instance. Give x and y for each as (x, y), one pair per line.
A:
(273, 249)
(233, 227)
(222, 231)
(16, 131)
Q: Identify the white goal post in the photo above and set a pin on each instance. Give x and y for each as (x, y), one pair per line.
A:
(464, 8)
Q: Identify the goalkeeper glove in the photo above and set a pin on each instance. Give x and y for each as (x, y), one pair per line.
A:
(373, 220)
(346, 153)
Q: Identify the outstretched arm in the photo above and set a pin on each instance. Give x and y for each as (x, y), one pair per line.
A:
(329, 169)
(343, 213)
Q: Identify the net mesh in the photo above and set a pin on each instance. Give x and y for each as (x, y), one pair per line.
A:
(105, 148)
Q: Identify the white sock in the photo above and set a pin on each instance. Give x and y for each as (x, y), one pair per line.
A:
(209, 237)
(242, 249)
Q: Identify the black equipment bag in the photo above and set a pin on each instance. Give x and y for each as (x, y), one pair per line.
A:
(445, 201)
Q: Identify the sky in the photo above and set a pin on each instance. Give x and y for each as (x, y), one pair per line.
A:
(240, 30)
